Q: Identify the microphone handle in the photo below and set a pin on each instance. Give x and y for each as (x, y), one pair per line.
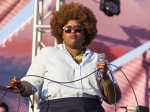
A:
(132, 108)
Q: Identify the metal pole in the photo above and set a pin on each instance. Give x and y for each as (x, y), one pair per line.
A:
(34, 29)
(34, 42)
(37, 40)
(57, 5)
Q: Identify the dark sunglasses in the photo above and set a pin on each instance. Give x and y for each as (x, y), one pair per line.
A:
(77, 28)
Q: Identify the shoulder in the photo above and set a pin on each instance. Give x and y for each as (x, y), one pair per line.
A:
(45, 50)
(95, 55)
(52, 49)
(49, 48)
(91, 53)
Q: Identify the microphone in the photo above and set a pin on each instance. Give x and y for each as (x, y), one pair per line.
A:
(136, 108)
(102, 57)
(132, 108)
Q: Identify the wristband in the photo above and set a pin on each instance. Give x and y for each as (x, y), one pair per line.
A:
(106, 83)
(22, 90)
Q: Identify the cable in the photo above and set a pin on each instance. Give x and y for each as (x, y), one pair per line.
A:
(114, 89)
(78, 80)
(4, 94)
(129, 84)
(19, 100)
(113, 86)
(32, 106)
(60, 82)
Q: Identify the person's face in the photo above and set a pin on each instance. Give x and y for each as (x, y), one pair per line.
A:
(2, 109)
(73, 38)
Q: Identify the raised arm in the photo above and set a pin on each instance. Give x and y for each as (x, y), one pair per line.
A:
(110, 88)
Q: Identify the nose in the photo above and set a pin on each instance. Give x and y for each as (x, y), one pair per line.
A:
(72, 30)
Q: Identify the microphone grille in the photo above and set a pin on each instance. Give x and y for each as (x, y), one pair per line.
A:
(102, 56)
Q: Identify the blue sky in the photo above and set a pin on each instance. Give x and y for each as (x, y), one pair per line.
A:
(16, 21)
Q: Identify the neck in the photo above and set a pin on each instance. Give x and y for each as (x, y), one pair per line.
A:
(74, 52)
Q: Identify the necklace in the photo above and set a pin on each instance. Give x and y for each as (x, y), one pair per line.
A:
(79, 57)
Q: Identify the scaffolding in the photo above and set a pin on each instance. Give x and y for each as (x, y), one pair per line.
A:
(37, 44)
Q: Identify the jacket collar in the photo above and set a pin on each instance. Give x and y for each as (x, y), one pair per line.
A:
(62, 47)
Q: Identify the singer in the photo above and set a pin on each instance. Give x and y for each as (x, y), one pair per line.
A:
(74, 28)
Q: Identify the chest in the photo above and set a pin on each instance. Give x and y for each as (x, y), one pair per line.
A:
(67, 69)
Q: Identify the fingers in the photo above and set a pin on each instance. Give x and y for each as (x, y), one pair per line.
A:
(15, 79)
(14, 84)
(102, 67)
(8, 87)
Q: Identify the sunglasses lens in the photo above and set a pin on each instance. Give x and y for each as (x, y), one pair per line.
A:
(68, 29)
(78, 28)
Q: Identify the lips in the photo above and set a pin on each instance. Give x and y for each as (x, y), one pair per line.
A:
(73, 36)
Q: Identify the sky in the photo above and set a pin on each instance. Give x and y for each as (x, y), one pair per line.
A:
(17, 20)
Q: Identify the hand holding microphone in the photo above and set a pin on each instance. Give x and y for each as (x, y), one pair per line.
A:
(102, 65)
